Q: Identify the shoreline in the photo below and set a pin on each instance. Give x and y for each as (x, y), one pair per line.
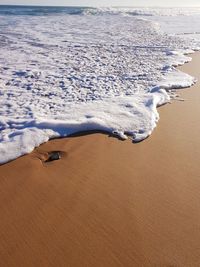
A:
(108, 202)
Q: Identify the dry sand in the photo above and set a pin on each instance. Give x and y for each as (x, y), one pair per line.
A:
(107, 202)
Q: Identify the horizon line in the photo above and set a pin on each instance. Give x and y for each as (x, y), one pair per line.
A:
(152, 6)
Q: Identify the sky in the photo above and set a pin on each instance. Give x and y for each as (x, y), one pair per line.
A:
(103, 2)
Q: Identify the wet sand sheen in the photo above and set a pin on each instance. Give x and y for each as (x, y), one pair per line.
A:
(108, 202)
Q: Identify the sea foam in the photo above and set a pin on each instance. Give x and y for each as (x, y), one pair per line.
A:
(61, 73)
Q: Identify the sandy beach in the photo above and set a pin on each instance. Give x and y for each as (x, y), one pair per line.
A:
(108, 202)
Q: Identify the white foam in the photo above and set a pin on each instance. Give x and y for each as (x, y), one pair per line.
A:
(176, 80)
(145, 11)
(63, 74)
(135, 116)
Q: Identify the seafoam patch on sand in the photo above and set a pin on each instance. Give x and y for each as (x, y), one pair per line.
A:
(62, 73)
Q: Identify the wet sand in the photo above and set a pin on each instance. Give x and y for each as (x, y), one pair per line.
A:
(108, 202)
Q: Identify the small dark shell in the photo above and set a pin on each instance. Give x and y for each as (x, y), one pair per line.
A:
(53, 155)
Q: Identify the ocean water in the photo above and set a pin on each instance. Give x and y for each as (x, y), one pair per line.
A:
(70, 69)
